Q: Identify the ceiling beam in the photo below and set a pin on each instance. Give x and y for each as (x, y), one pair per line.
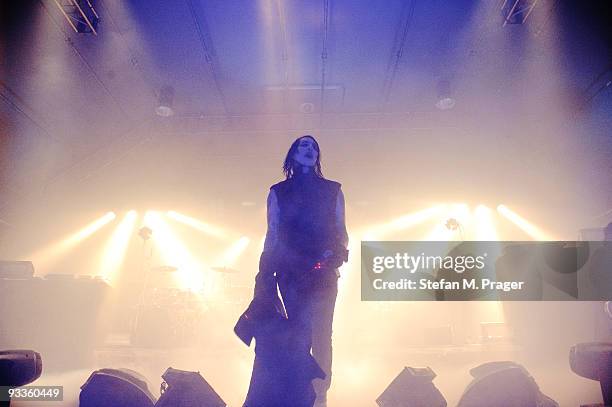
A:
(11, 99)
(397, 52)
(209, 54)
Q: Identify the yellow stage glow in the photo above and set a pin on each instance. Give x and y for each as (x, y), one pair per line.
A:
(229, 257)
(493, 311)
(55, 250)
(349, 275)
(484, 228)
(197, 224)
(402, 223)
(116, 247)
(90, 229)
(192, 274)
(532, 230)
(356, 373)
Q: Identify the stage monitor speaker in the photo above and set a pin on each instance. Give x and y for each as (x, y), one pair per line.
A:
(503, 384)
(593, 360)
(187, 389)
(19, 367)
(116, 388)
(413, 387)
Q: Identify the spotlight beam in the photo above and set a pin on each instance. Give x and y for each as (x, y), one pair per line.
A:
(484, 228)
(197, 224)
(532, 230)
(116, 247)
(232, 254)
(191, 273)
(55, 250)
(402, 223)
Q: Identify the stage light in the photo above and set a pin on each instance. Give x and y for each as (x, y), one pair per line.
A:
(526, 226)
(145, 233)
(190, 274)
(461, 219)
(55, 250)
(197, 224)
(229, 257)
(452, 224)
(165, 102)
(402, 223)
(413, 387)
(445, 100)
(116, 247)
(484, 228)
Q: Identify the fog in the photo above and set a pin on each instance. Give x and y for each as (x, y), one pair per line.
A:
(78, 142)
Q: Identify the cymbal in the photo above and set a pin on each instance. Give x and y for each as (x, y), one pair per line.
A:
(225, 270)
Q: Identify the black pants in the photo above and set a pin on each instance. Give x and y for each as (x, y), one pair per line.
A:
(310, 303)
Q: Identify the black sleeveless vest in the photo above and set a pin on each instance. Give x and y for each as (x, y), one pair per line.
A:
(307, 219)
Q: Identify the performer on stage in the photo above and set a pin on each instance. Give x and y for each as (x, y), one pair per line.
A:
(305, 244)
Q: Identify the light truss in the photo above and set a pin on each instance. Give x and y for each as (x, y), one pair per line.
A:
(80, 14)
(517, 11)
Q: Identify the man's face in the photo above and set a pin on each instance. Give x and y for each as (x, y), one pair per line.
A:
(306, 153)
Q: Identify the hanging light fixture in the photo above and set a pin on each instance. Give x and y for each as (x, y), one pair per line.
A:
(165, 102)
(445, 100)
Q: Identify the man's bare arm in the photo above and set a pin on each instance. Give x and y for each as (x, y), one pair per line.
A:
(265, 283)
(273, 215)
(340, 220)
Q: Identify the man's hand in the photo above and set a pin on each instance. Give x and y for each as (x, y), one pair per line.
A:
(335, 259)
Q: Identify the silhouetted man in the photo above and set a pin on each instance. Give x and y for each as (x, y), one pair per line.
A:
(305, 244)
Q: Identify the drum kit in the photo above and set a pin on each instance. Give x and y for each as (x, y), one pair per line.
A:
(168, 316)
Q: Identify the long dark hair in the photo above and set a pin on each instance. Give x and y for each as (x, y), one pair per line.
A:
(290, 167)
